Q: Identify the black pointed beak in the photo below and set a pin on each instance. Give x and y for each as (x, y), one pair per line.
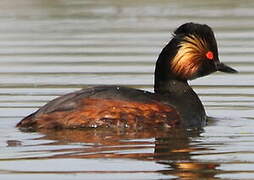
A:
(224, 68)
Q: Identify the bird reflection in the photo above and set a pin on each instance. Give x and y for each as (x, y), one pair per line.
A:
(176, 149)
(172, 148)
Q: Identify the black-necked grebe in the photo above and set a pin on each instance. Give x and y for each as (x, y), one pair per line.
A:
(191, 53)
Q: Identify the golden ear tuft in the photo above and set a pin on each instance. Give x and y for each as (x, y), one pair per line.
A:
(191, 51)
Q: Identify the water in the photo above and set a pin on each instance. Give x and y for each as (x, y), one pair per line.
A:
(52, 47)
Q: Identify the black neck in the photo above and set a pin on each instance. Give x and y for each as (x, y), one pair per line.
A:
(171, 86)
(179, 94)
(176, 91)
(165, 81)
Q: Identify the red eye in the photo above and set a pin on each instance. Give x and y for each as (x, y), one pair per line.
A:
(209, 55)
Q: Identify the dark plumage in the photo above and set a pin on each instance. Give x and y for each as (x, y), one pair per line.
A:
(191, 53)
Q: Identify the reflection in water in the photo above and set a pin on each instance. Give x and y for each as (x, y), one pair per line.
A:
(175, 150)
(170, 148)
(13, 143)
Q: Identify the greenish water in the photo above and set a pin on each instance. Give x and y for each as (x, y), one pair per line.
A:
(52, 47)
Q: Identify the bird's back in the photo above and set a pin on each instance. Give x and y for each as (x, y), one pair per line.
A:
(104, 106)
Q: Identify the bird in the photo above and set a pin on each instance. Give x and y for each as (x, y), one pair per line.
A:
(191, 53)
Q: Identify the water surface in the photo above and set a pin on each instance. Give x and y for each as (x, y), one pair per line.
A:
(52, 47)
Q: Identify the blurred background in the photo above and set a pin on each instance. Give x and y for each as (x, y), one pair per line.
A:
(52, 47)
